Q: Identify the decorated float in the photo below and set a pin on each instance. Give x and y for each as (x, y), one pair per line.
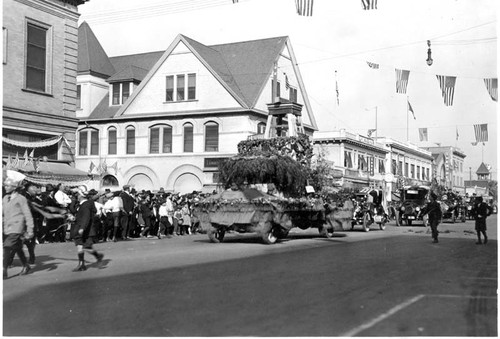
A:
(265, 193)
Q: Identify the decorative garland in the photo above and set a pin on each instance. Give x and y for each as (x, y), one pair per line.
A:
(34, 144)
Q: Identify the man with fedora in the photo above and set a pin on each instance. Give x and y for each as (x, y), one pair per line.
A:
(17, 224)
(128, 209)
(84, 231)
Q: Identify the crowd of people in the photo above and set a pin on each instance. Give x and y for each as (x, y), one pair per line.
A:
(50, 214)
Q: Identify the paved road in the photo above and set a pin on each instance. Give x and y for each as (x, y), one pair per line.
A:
(381, 283)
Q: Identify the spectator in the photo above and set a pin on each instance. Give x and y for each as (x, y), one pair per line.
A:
(146, 214)
(114, 206)
(128, 210)
(433, 209)
(17, 225)
(482, 212)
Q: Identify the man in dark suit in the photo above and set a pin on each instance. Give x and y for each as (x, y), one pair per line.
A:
(84, 231)
(482, 211)
(128, 206)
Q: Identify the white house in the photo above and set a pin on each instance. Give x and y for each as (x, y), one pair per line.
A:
(166, 119)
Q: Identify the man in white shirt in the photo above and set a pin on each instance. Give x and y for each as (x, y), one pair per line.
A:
(115, 206)
(61, 197)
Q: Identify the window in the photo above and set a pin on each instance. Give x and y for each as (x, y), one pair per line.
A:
(78, 96)
(406, 169)
(112, 141)
(412, 172)
(261, 128)
(278, 89)
(347, 159)
(180, 87)
(381, 166)
(400, 168)
(130, 140)
(82, 149)
(427, 174)
(394, 167)
(167, 139)
(418, 172)
(170, 88)
(293, 94)
(154, 140)
(188, 138)
(191, 86)
(160, 135)
(211, 137)
(116, 93)
(94, 142)
(121, 92)
(36, 55)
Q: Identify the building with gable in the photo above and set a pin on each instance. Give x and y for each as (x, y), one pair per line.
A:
(479, 186)
(39, 87)
(449, 167)
(167, 119)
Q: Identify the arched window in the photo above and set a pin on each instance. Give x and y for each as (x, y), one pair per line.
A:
(160, 139)
(261, 127)
(109, 180)
(188, 137)
(130, 140)
(111, 140)
(211, 137)
(88, 142)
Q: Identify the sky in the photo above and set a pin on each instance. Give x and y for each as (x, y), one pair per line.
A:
(332, 48)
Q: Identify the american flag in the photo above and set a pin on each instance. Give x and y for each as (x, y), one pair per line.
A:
(447, 85)
(369, 4)
(481, 131)
(337, 88)
(402, 76)
(411, 109)
(422, 133)
(372, 65)
(287, 84)
(492, 87)
(235, 1)
(304, 7)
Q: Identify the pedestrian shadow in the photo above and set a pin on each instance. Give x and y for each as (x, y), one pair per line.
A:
(42, 263)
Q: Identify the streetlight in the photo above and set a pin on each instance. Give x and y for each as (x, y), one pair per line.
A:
(429, 58)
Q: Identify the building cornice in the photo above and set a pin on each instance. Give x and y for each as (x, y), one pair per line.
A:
(51, 8)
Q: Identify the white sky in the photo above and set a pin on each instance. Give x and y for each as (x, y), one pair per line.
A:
(341, 36)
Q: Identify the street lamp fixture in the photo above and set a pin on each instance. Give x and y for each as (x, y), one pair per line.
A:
(429, 58)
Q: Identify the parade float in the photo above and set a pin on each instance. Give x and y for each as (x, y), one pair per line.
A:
(265, 193)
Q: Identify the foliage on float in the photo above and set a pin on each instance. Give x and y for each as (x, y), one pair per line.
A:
(298, 148)
(289, 176)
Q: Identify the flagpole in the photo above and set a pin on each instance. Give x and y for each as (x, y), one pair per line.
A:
(407, 113)
(376, 118)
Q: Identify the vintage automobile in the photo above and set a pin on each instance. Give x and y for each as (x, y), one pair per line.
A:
(366, 215)
(271, 218)
(452, 207)
(413, 200)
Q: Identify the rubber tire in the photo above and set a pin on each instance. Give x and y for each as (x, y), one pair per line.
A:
(216, 235)
(366, 220)
(269, 237)
(326, 231)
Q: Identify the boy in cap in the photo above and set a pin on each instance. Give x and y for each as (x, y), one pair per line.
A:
(17, 225)
(84, 231)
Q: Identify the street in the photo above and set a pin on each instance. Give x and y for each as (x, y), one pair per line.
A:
(379, 283)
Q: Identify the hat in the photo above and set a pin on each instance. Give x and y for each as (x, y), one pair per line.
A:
(126, 187)
(92, 192)
(10, 182)
(49, 187)
(162, 190)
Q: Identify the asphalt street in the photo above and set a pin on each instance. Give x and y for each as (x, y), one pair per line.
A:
(379, 283)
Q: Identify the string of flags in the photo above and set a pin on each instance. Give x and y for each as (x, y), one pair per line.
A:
(24, 164)
(304, 7)
(369, 4)
(411, 109)
(481, 132)
(446, 84)
(102, 167)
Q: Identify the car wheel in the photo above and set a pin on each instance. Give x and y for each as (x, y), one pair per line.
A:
(269, 237)
(408, 222)
(326, 231)
(216, 235)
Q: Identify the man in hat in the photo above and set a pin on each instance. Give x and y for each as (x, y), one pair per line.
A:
(84, 231)
(128, 209)
(32, 195)
(17, 225)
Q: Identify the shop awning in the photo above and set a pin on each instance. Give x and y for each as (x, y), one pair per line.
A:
(54, 173)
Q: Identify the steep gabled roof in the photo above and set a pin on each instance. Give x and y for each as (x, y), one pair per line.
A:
(482, 169)
(92, 59)
(130, 73)
(142, 60)
(103, 110)
(244, 66)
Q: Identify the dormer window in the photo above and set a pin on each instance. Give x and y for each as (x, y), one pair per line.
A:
(120, 91)
(176, 89)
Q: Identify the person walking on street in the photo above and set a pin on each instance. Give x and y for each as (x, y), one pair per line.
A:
(433, 209)
(128, 210)
(84, 232)
(482, 211)
(17, 225)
